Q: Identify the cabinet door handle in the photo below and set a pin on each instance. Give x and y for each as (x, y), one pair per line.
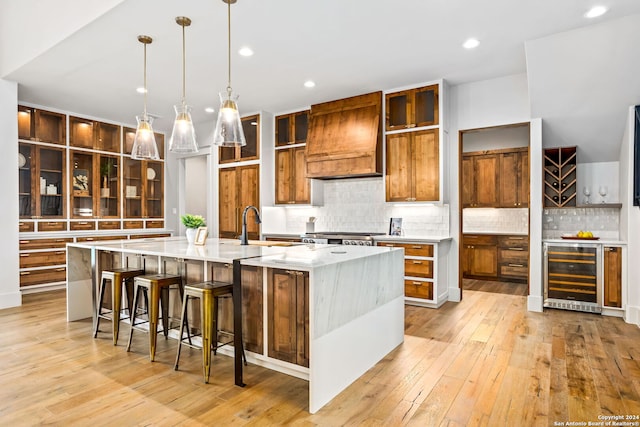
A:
(417, 283)
(516, 249)
(516, 265)
(416, 247)
(417, 262)
(60, 253)
(516, 238)
(60, 269)
(25, 273)
(24, 255)
(470, 237)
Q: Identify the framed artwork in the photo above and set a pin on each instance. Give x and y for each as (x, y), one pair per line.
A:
(80, 182)
(201, 236)
(395, 227)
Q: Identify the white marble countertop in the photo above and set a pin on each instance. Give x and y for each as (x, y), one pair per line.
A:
(411, 238)
(297, 256)
(583, 241)
(90, 233)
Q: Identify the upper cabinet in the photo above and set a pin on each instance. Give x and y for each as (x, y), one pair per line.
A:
(412, 108)
(250, 151)
(84, 133)
(143, 189)
(292, 128)
(94, 185)
(42, 126)
(413, 163)
(345, 138)
(495, 179)
(292, 186)
(560, 172)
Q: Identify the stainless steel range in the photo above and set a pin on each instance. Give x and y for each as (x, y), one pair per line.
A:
(341, 238)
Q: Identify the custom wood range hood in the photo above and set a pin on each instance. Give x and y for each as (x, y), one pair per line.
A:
(345, 138)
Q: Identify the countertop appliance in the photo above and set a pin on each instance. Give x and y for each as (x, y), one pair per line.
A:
(341, 238)
(573, 277)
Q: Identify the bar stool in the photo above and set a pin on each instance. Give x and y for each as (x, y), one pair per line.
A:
(119, 278)
(156, 286)
(209, 294)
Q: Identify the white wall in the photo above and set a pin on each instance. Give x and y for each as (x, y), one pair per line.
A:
(630, 223)
(9, 279)
(475, 105)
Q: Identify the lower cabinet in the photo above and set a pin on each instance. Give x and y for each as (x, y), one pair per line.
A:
(612, 276)
(513, 258)
(288, 315)
(492, 257)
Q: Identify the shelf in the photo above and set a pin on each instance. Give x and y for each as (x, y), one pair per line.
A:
(594, 206)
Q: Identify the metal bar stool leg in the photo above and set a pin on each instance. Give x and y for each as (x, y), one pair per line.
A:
(100, 301)
(136, 292)
(183, 323)
(116, 301)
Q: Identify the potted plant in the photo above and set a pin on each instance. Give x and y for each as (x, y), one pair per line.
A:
(105, 173)
(192, 222)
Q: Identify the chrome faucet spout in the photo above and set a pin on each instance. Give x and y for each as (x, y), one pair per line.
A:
(244, 239)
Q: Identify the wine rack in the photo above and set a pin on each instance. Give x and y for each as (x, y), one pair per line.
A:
(560, 177)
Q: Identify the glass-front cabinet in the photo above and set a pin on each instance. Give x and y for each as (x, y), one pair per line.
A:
(154, 183)
(109, 186)
(41, 181)
(82, 183)
(412, 108)
(143, 189)
(132, 188)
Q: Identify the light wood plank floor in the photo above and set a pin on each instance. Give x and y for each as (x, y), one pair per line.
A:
(494, 286)
(485, 361)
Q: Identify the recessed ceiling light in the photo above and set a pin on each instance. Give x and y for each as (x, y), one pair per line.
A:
(141, 90)
(209, 110)
(471, 43)
(596, 11)
(245, 51)
(309, 83)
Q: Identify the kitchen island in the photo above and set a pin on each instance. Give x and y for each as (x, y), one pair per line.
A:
(323, 313)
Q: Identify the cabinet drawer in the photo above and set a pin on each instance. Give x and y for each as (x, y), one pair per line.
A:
(511, 241)
(24, 226)
(41, 259)
(38, 277)
(133, 224)
(97, 238)
(514, 270)
(83, 225)
(52, 226)
(411, 249)
(154, 224)
(149, 236)
(44, 243)
(418, 289)
(418, 268)
(108, 225)
(517, 255)
(479, 239)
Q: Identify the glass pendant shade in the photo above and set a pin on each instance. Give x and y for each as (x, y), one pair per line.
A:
(144, 143)
(183, 137)
(228, 132)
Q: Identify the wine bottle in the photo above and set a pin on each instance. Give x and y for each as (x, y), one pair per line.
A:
(554, 184)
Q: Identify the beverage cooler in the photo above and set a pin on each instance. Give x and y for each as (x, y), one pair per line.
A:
(573, 277)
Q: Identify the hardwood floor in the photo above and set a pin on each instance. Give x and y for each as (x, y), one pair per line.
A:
(494, 286)
(484, 361)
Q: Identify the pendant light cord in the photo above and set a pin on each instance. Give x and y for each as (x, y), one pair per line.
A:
(184, 72)
(229, 47)
(145, 81)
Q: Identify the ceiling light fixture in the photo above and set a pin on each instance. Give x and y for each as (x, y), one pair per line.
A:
(141, 90)
(471, 43)
(596, 11)
(183, 136)
(309, 84)
(245, 51)
(144, 143)
(209, 110)
(228, 131)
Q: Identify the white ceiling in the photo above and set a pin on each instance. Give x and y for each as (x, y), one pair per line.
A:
(347, 47)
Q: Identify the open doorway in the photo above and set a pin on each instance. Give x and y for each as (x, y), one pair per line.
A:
(494, 209)
(196, 191)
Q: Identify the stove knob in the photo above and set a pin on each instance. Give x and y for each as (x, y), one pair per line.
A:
(347, 242)
(361, 243)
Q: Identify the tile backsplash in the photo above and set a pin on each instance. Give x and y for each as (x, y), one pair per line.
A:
(493, 220)
(602, 222)
(358, 204)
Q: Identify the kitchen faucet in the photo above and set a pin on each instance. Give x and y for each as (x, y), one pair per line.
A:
(244, 240)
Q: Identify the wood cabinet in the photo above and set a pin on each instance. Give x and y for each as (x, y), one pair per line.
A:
(412, 108)
(479, 256)
(292, 185)
(85, 133)
(42, 126)
(560, 172)
(513, 258)
(41, 182)
(292, 128)
(613, 276)
(95, 185)
(480, 180)
(288, 315)
(129, 137)
(413, 166)
(239, 187)
(143, 188)
(40, 267)
(514, 179)
(250, 151)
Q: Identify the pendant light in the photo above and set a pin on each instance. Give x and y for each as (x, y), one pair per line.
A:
(228, 131)
(144, 143)
(183, 136)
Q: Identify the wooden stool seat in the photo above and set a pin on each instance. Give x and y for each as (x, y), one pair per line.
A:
(119, 278)
(156, 286)
(209, 293)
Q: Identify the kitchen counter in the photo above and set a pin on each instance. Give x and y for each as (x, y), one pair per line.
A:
(411, 238)
(355, 299)
(583, 241)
